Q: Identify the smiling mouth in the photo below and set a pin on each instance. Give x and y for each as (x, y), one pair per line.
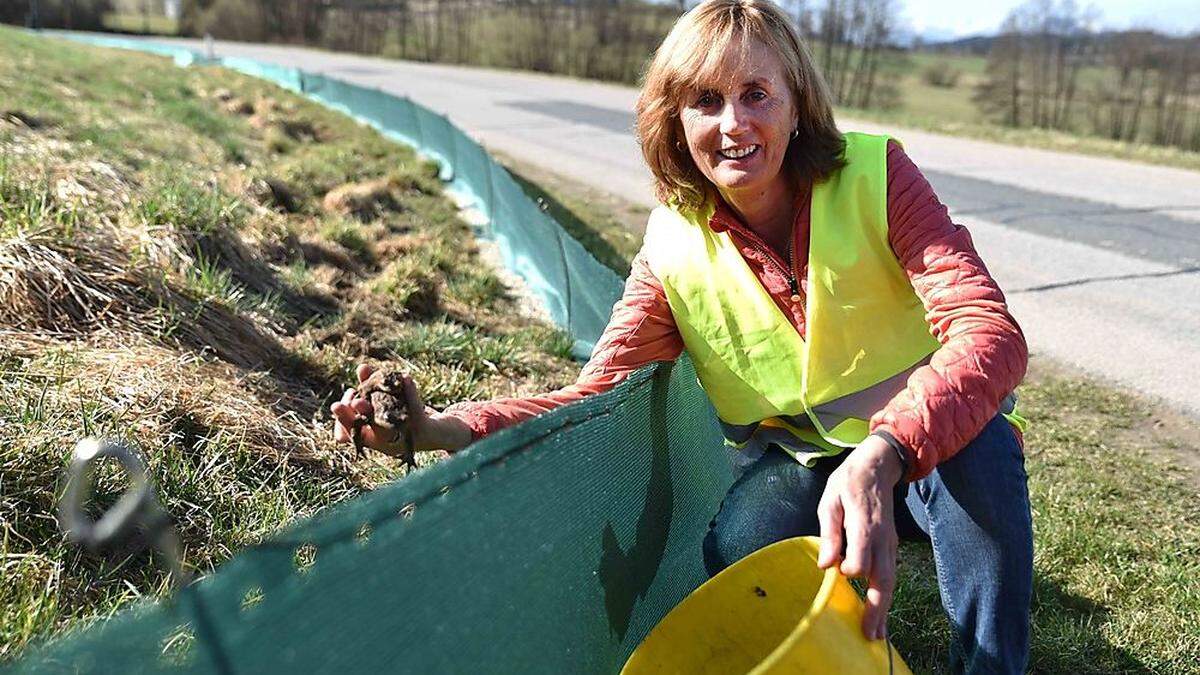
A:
(738, 153)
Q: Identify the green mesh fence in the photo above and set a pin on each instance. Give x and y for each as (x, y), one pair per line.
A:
(551, 547)
(288, 78)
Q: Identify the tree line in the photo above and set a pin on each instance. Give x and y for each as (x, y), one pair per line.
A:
(1049, 69)
(68, 14)
(598, 39)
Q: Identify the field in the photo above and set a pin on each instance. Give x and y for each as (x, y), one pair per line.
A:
(195, 260)
(950, 110)
(149, 24)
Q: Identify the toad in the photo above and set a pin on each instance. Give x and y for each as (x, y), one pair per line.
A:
(385, 390)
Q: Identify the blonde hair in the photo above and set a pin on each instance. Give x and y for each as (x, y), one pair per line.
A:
(690, 55)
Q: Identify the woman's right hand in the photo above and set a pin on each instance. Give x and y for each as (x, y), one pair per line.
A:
(430, 429)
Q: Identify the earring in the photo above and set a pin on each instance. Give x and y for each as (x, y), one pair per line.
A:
(679, 145)
(795, 133)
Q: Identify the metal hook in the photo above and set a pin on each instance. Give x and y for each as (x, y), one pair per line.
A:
(137, 508)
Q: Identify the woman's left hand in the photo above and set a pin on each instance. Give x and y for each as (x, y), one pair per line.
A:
(856, 513)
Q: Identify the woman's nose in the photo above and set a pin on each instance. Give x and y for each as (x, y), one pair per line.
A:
(732, 118)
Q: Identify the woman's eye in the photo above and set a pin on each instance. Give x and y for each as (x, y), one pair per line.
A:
(757, 95)
(707, 100)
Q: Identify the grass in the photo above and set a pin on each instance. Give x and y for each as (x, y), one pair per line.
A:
(170, 201)
(349, 235)
(128, 22)
(151, 290)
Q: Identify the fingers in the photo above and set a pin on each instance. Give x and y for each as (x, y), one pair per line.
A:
(857, 562)
(346, 412)
(364, 371)
(343, 417)
(881, 585)
(362, 406)
(412, 399)
(830, 514)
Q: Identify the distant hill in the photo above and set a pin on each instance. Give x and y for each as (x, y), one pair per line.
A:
(974, 44)
(981, 44)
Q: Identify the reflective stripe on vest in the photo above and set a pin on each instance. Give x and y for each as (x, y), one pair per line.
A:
(866, 326)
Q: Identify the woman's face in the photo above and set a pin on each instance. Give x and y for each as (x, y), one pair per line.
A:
(738, 126)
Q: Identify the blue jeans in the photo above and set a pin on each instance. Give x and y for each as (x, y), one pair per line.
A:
(973, 508)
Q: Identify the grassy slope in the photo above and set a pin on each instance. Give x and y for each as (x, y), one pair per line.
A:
(1117, 580)
(169, 274)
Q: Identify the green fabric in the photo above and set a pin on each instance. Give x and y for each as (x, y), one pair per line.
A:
(551, 547)
(865, 322)
(288, 78)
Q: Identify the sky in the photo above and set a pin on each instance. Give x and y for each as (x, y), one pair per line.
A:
(948, 19)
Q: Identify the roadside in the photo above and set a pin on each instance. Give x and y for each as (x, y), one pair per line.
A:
(610, 228)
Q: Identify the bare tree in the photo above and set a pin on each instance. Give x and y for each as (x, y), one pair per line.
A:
(1142, 87)
(848, 45)
(1000, 91)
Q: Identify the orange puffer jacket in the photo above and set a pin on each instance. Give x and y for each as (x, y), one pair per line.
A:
(946, 403)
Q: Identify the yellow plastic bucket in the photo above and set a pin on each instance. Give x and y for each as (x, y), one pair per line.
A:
(774, 611)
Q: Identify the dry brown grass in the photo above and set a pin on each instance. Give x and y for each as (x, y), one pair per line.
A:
(160, 387)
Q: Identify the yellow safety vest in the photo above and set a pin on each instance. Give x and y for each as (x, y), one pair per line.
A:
(866, 326)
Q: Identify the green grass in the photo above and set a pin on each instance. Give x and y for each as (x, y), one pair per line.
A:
(408, 283)
(969, 65)
(474, 288)
(1117, 542)
(31, 207)
(170, 200)
(349, 235)
(451, 344)
(154, 24)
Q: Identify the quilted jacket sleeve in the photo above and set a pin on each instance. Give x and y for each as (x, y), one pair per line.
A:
(983, 354)
(640, 331)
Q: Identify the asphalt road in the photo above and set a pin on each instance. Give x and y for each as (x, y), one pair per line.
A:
(1100, 258)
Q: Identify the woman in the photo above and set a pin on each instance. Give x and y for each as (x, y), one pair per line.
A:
(852, 342)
